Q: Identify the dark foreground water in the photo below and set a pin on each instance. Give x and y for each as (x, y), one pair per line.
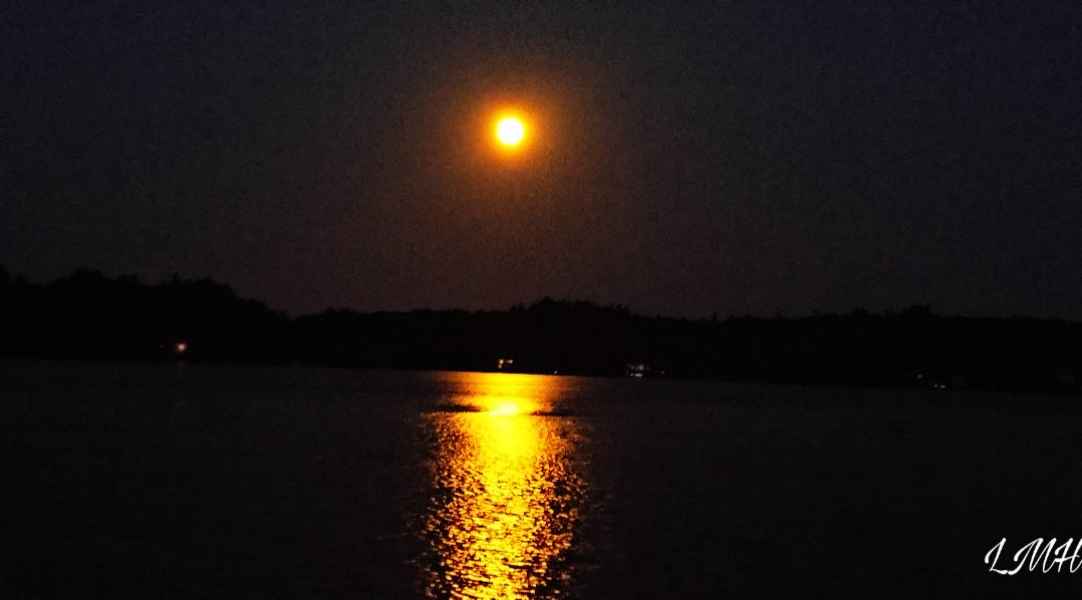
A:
(192, 482)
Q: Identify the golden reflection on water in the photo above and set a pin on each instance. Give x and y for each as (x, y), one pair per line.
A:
(507, 496)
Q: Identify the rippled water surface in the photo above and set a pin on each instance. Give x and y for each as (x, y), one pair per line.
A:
(508, 488)
(184, 481)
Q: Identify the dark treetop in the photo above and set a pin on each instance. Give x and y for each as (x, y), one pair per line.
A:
(90, 316)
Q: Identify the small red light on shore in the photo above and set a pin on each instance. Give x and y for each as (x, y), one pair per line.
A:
(181, 347)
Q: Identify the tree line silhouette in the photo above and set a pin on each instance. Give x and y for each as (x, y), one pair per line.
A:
(87, 315)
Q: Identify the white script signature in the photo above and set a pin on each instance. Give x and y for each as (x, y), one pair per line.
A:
(1045, 555)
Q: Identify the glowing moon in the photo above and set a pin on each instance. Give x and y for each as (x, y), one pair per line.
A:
(510, 131)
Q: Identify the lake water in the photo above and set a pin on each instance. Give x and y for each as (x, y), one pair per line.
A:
(191, 481)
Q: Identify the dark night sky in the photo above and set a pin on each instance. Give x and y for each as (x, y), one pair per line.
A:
(737, 157)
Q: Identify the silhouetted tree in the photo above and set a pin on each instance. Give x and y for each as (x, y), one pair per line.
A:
(90, 315)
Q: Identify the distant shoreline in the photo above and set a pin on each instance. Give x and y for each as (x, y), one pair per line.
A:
(88, 316)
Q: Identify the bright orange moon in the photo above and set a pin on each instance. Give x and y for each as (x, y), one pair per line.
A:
(510, 131)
